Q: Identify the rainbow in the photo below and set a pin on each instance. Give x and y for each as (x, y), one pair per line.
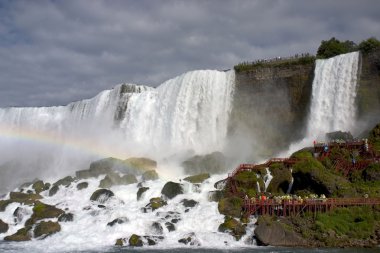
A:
(49, 137)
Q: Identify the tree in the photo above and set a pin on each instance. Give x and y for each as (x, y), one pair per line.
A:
(369, 45)
(335, 47)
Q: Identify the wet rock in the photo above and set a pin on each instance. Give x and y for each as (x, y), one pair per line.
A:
(101, 195)
(43, 211)
(190, 239)
(272, 232)
(21, 197)
(106, 182)
(66, 217)
(157, 228)
(128, 179)
(153, 240)
(120, 242)
(171, 189)
(66, 181)
(221, 184)
(4, 204)
(135, 241)
(149, 175)
(53, 190)
(82, 185)
(197, 179)
(38, 186)
(230, 206)
(120, 220)
(213, 163)
(232, 226)
(22, 234)
(189, 203)
(215, 196)
(175, 221)
(115, 179)
(141, 191)
(170, 226)
(3, 227)
(102, 206)
(44, 229)
(100, 167)
(155, 203)
(19, 214)
(141, 164)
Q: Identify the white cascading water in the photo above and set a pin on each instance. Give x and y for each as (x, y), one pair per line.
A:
(332, 105)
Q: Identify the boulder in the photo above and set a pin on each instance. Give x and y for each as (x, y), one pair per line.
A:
(282, 177)
(189, 203)
(215, 196)
(44, 229)
(101, 195)
(213, 163)
(43, 211)
(53, 190)
(22, 197)
(120, 242)
(231, 206)
(115, 179)
(233, 227)
(141, 164)
(272, 232)
(3, 227)
(66, 181)
(141, 191)
(22, 234)
(190, 239)
(128, 179)
(153, 240)
(171, 189)
(82, 185)
(197, 179)
(4, 204)
(106, 182)
(157, 228)
(38, 186)
(120, 220)
(135, 241)
(100, 167)
(149, 175)
(170, 226)
(66, 217)
(155, 203)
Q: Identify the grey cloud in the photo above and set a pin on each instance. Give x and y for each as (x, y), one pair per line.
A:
(55, 52)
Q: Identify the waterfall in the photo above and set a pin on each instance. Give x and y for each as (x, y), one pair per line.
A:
(333, 95)
(291, 183)
(267, 178)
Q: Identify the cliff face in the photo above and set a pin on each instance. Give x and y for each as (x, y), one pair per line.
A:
(270, 106)
(368, 97)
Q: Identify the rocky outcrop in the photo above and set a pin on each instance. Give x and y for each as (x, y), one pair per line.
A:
(135, 241)
(44, 229)
(3, 227)
(22, 234)
(82, 185)
(233, 227)
(213, 163)
(141, 191)
(171, 189)
(23, 197)
(66, 181)
(43, 211)
(230, 206)
(154, 204)
(274, 233)
(197, 179)
(40, 186)
(101, 195)
(114, 179)
(149, 175)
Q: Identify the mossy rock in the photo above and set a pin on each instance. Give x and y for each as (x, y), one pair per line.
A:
(38, 186)
(135, 241)
(141, 163)
(114, 179)
(156, 203)
(22, 197)
(248, 182)
(197, 179)
(82, 186)
(66, 181)
(4, 204)
(150, 175)
(53, 190)
(120, 242)
(43, 211)
(106, 182)
(215, 196)
(128, 179)
(232, 226)
(171, 189)
(101, 195)
(46, 228)
(3, 227)
(22, 234)
(231, 206)
(305, 153)
(281, 180)
(213, 163)
(66, 217)
(141, 191)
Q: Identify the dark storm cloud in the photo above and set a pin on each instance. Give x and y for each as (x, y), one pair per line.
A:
(55, 52)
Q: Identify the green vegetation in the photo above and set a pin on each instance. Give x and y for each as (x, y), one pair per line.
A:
(247, 182)
(369, 45)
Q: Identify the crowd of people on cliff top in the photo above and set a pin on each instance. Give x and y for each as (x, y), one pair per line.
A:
(279, 58)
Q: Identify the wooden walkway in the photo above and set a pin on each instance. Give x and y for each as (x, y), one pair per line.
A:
(296, 207)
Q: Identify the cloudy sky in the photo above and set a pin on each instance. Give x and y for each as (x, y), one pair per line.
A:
(54, 52)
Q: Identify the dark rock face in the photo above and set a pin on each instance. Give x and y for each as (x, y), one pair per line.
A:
(66, 181)
(170, 226)
(280, 97)
(4, 204)
(157, 228)
(22, 234)
(101, 195)
(135, 241)
(38, 186)
(172, 189)
(53, 190)
(114, 179)
(215, 196)
(66, 217)
(82, 185)
(43, 211)
(197, 179)
(19, 214)
(141, 191)
(212, 163)
(3, 227)
(46, 228)
(189, 203)
(150, 175)
(270, 232)
(120, 220)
